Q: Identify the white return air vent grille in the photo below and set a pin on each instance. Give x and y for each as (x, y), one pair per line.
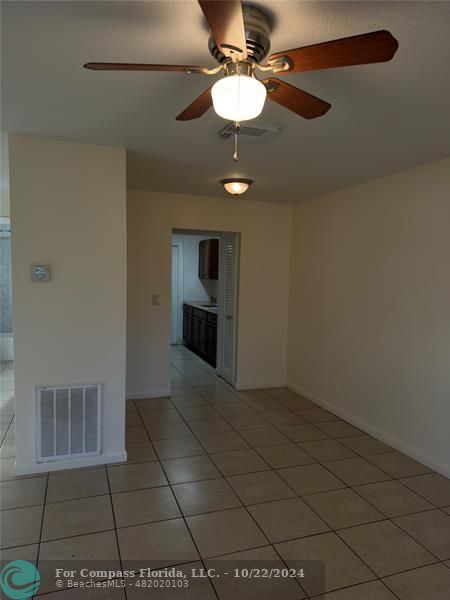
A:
(68, 421)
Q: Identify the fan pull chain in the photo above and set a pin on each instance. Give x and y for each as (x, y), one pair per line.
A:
(237, 131)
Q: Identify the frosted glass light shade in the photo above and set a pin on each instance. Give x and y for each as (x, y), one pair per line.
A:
(236, 187)
(238, 97)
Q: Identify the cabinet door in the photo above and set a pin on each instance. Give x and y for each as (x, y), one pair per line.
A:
(203, 259)
(211, 343)
(187, 326)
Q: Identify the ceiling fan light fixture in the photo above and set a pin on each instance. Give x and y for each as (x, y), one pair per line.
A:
(238, 97)
(236, 187)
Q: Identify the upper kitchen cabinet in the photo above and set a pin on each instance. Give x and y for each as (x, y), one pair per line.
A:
(208, 259)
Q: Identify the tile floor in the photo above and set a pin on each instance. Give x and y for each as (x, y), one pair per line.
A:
(213, 475)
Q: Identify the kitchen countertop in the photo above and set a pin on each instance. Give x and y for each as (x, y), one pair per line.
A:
(206, 306)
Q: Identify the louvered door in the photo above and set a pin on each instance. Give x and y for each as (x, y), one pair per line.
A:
(227, 327)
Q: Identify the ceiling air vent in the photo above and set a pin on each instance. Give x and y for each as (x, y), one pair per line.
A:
(254, 134)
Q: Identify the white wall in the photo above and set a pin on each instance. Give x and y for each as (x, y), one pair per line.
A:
(68, 205)
(264, 283)
(369, 317)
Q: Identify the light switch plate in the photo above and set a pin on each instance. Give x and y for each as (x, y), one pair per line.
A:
(40, 273)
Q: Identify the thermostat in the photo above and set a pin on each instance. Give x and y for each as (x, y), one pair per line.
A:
(40, 273)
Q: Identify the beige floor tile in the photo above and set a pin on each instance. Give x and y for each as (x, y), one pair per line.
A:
(398, 464)
(153, 404)
(135, 434)
(77, 484)
(222, 399)
(156, 545)
(178, 448)
(130, 407)
(20, 526)
(356, 471)
(28, 553)
(199, 588)
(231, 409)
(191, 413)
(223, 442)
(245, 421)
(195, 400)
(427, 583)
(22, 492)
(280, 393)
(286, 417)
(431, 529)
(260, 487)
(244, 588)
(168, 431)
(374, 590)
(317, 415)
(433, 487)
(342, 567)
(144, 506)
(205, 496)
(343, 508)
(325, 450)
(254, 395)
(239, 462)
(136, 476)
(140, 452)
(339, 429)
(310, 479)
(286, 455)
(392, 498)
(97, 551)
(297, 403)
(77, 517)
(151, 417)
(266, 406)
(192, 468)
(209, 426)
(225, 532)
(386, 548)
(267, 436)
(132, 419)
(303, 433)
(287, 519)
(365, 445)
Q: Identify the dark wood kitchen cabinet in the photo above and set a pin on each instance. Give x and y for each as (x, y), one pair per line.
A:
(200, 332)
(208, 259)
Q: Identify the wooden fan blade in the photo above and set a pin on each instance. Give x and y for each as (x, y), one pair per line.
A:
(226, 21)
(292, 98)
(377, 46)
(98, 66)
(198, 108)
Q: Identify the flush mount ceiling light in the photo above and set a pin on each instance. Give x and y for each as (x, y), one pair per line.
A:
(236, 187)
(239, 96)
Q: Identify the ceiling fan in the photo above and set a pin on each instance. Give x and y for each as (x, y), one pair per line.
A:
(240, 43)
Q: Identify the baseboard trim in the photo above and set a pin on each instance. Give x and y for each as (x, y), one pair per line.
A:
(72, 463)
(259, 385)
(397, 444)
(163, 393)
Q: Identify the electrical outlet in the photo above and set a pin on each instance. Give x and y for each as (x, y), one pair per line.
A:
(155, 300)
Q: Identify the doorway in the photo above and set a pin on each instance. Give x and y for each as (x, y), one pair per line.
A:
(204, 298)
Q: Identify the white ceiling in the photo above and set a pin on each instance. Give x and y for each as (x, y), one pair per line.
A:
(384, 117)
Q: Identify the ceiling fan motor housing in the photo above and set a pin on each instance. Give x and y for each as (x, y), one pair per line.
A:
(257, 36)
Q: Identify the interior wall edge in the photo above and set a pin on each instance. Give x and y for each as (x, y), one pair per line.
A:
(396, 443)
